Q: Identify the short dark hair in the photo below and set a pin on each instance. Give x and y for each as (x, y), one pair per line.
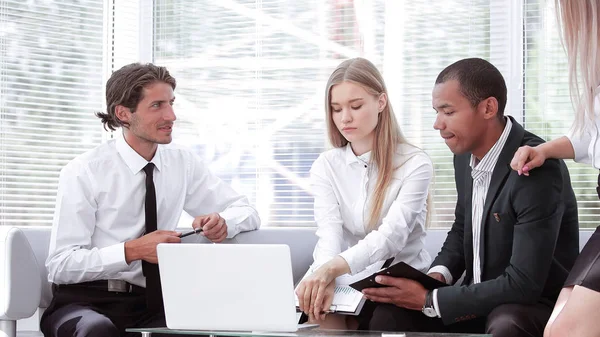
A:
(478, 80)
(125, 87)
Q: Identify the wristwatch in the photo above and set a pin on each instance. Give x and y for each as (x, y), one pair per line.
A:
(428, 308)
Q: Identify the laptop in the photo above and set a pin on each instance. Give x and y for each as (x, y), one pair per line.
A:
(230, 287)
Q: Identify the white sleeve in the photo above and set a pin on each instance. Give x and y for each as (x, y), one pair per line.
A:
(391, 236)
(327, 214)
(581, 141)
(444, 271)
(71, 259)
(206, 193)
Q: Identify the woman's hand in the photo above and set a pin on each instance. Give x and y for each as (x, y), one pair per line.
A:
(527, 158)
(315, 292)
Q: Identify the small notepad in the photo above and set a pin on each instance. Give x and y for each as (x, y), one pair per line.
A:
(346, 301)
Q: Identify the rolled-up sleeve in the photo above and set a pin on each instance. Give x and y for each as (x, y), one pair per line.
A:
(586, 141)
(581, 140)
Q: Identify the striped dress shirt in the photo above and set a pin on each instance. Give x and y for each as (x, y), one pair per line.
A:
(481, 172)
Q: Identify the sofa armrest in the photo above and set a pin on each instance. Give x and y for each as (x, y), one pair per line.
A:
(20, 283)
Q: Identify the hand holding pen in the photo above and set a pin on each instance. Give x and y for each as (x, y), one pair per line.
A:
(195, 231)
(214, 227)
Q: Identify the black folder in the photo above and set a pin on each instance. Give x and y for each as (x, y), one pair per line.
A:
(400, 269)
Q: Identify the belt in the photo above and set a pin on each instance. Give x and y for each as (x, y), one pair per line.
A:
(114, 286)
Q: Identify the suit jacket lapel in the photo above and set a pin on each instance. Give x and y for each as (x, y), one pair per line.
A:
(501, 171)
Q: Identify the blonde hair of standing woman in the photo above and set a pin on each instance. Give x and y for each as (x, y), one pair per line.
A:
(387, 132)
(581, 39)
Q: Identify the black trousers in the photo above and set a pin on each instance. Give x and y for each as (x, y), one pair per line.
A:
(79, 310)
(508, 320)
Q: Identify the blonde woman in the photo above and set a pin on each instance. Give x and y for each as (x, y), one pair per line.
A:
(370, 191)
(576, 310)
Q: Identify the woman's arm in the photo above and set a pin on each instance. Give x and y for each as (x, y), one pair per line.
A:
(527, 158)
(315, 292)
(327, 214)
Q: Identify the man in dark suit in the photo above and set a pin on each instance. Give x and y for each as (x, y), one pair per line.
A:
(514, 237)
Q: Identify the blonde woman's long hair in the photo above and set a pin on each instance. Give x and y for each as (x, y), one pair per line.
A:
(387, 133)
(581, 39)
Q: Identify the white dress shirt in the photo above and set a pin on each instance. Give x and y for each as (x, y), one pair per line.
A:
(343, 184)
(481, 172)
(587, 142)
(100, 205)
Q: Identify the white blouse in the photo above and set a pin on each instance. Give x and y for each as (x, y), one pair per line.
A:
(586, 143)
(342, 185)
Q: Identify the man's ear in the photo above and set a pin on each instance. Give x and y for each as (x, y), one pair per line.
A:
(123, 113)
(489, 107)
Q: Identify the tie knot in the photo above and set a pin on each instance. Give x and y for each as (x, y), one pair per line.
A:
(149, 169)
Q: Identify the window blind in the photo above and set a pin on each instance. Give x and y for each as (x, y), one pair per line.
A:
(432, 37)
(548, 110)
(252, 74)
(50, 85)
(251, 77)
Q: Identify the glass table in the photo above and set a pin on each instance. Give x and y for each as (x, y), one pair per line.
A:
(305, 332)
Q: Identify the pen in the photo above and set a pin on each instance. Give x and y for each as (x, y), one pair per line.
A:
(322, 312)
(195, 231)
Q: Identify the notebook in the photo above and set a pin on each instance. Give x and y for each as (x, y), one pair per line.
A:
(401, 269)
(227, 287)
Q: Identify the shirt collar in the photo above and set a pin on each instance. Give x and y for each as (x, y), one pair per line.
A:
(351, 158)
(133, 160)
(489, 160)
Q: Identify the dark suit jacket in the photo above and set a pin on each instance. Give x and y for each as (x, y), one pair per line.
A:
(529, 235)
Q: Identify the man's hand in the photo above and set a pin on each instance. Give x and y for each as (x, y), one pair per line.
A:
(213, 226)
(402, 292)
(438, 276)
(144, 248)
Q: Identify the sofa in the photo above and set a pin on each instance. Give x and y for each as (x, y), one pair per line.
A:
(23, 277)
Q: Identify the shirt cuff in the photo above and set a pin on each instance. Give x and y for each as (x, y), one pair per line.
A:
(444, 271)
(436, 307)
(113, 258)
(233, 217)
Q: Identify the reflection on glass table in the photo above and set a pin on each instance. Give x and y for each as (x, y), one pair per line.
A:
(306, 332)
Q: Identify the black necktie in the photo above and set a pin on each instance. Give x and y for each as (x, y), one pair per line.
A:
(150, 270)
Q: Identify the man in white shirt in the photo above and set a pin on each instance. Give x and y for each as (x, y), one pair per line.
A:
(515, 239)
(117, 202)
